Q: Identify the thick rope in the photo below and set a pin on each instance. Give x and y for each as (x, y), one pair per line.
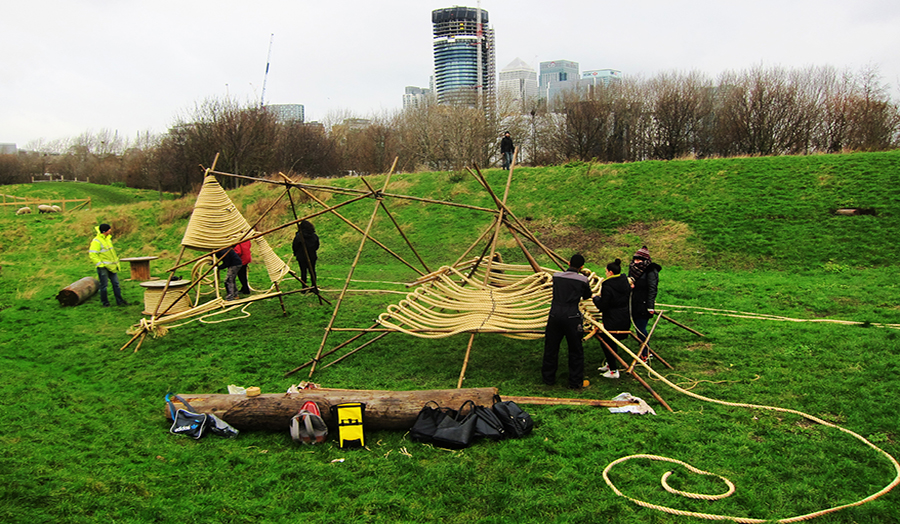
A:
(513, 301)
(763, 316)
(710, 516)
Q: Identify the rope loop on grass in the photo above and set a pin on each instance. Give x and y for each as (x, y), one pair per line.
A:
(710, 516)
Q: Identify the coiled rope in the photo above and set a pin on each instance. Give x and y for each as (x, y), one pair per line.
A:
(710, 516)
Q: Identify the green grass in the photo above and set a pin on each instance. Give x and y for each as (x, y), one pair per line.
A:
(83, 437)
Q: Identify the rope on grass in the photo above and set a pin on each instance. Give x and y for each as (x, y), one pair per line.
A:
(710, 516)
(763, 316)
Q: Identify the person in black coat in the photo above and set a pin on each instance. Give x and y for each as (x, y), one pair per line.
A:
(506, 150)
(612, 302)
(305, 247)
(565, 320)
(231, 261)
(645, 275)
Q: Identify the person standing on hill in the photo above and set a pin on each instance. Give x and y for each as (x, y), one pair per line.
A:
(506, 150)
(305, 247)
(565, 320)
(103, 255)
(612, 302)
(243, 250)
(645, 274)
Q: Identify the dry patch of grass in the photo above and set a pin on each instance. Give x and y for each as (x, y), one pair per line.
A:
(670, 242)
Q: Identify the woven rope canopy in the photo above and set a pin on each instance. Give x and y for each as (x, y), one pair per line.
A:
(515, 302)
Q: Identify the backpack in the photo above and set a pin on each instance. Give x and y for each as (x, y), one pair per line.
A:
(307, 426)
(516, 422)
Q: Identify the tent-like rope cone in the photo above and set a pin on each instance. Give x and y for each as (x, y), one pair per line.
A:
(216, 223)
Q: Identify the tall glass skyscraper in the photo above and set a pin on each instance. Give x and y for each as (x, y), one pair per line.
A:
(456, 57)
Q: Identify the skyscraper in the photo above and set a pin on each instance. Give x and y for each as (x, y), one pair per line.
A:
(518, 82)
(458, 57)
(557, 76)
(601, 76)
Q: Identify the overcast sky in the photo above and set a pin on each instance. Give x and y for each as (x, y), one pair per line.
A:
(71, 66)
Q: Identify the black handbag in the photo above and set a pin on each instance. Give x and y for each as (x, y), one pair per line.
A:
(457, 432)
(487, 425)
(516, 422)
(427, 421)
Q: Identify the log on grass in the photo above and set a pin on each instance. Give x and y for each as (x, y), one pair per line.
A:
(78, 292)
(395, 410)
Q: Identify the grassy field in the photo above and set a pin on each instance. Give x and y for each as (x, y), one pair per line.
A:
(83, 437)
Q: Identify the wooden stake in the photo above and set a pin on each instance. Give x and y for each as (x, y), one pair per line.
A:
(462, 374)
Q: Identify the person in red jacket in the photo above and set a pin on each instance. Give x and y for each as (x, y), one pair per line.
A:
(243, 250)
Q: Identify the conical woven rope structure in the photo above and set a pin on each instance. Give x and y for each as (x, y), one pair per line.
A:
(216, 223)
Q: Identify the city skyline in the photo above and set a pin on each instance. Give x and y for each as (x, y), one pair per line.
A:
(92, 65)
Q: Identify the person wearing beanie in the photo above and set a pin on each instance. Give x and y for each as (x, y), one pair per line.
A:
(104, 257)
(612, 302)
(645, 274)
(570, 287)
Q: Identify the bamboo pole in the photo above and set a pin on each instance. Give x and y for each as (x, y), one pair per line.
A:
(645, 344)
(350, 275)
(342, 357)
(399, 229)
(332, 350)
(480, 238)
(344, 190)
(277, 228)
(551, 401)
(634, 374)
(358, 229)
(462, 373)
(679, 324)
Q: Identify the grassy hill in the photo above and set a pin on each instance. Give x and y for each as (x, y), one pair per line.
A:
(84, 438)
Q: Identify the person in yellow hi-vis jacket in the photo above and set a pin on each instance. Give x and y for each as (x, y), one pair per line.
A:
(103, 255)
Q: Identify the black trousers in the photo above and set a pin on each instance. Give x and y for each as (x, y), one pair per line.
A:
(557, 329)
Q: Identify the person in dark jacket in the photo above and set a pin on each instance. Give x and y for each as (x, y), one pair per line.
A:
(506, 150)
(612, 302)
(231, 261)
(305, 246)
(645, 275)
(243, 250)
(570, 287)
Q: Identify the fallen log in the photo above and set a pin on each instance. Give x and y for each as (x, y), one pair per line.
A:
(393, 410)
(77, 292)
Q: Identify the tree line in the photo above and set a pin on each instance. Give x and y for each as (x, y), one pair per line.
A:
(758, 111)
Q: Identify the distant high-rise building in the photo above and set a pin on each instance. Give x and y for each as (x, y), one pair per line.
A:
(518, 82)
(8, 149)
(457, 56)
(601, 76)
(286, 113)
(558, 71)
(416, 96)
(556, 77)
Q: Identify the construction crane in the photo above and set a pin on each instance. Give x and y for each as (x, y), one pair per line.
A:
(262, 99)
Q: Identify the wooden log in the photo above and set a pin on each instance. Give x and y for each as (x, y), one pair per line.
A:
(77, 292)
(395, 410)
